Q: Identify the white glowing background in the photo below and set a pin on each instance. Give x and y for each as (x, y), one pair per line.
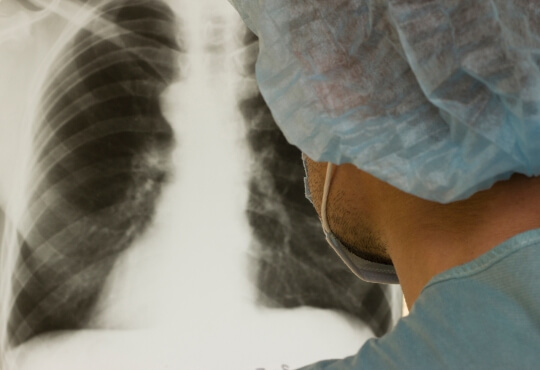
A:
(181, 296)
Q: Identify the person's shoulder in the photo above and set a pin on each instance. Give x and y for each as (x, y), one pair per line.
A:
(480, 315)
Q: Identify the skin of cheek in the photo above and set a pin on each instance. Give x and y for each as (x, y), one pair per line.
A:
(358, 197)
(353, 193)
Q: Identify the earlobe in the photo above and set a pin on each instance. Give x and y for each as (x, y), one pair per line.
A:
(326, 191)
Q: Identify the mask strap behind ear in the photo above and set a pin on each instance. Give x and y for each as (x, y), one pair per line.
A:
(332, 240)
(326, 191)
(363, 269)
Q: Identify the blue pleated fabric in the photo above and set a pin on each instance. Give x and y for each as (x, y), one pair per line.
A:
(439, 98)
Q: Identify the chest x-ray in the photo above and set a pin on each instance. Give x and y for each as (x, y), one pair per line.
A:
(152, 214)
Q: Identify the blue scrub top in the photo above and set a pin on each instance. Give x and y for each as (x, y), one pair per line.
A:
(484, 314)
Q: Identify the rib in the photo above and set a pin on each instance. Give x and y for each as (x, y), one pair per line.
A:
(102, 156)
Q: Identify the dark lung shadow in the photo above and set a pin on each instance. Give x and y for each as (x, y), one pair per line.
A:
(103, 152)
(293, 265)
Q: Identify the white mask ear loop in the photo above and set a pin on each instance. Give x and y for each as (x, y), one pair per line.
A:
(326, 191)
(342, 254)
(363, 269)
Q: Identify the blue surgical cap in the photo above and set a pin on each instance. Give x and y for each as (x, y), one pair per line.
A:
(441, 99)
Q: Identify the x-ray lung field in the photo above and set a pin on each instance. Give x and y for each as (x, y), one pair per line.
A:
(152, 215)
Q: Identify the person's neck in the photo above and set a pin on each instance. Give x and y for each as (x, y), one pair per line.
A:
(434, 238)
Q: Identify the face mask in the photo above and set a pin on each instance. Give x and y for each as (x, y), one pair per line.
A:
(369, 271)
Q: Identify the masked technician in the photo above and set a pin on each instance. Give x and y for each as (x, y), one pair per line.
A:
(420, 124)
